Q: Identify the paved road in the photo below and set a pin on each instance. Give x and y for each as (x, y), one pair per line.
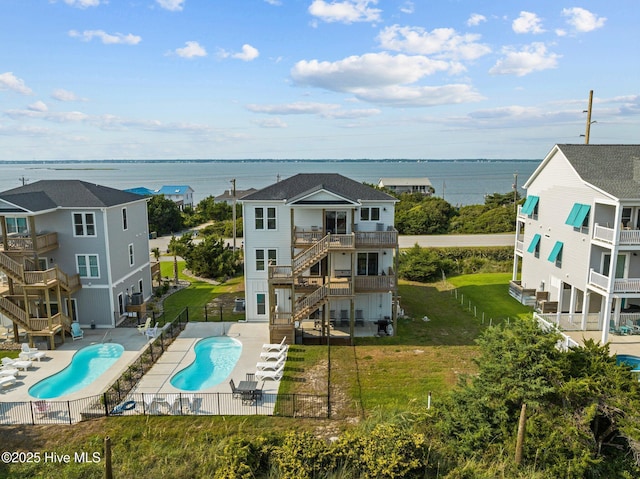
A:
(436, 241)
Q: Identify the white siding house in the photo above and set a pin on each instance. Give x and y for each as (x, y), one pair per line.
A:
(582, 210)
(73, 251)
(320, 252)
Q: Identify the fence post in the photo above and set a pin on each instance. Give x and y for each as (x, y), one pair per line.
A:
(108, 471)
(69, 410)
(106, 406)
(187, 311)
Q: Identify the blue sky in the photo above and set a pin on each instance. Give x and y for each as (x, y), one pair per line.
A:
(143, 79)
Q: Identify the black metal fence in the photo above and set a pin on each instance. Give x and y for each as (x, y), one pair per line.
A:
(190, 404)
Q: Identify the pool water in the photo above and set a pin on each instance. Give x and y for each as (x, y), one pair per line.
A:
(632, 361)
(215, 359)
(87, 365)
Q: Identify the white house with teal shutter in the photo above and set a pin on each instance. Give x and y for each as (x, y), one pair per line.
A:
(582, 210)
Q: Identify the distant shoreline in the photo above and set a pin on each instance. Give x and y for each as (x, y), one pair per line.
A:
(345, 160)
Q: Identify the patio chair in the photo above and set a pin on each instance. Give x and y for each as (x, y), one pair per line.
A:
(234, 391)
(28, 353)
(359, 317)
(18, 364)
(7, 380)
(275, 347)
(344, 317)
(614, 329)
(76, 331)
(150, 402)
(274, 375)
(265, 355)
(8, 371)
(332, 318)
(270, 365)
(152, 332)
(633, 328)
(42, 408)
(142, 328)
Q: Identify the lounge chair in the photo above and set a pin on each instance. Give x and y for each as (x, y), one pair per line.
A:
(275, 347)
(152, 332)
(270, 365)
(268, 355)
(234, 391)
(359, 317)
(618, 329)
(8, 371)
(150, 402)
(274, 375)
(42, 408)
(7, 380)
(76, 331)
(633, 328)
(28, 353)
(142, 328)
(18, 364)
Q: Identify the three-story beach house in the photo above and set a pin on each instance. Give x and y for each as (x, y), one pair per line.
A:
(578, 238)
(320, 253)
(72, 251)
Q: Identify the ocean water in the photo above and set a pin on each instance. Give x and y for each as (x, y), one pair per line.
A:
(460, 182)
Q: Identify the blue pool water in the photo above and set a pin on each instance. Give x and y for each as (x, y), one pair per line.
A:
(632, 361)
(215, 359)
(86, 366)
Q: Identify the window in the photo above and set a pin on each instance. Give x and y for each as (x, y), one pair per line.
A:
(125, 225)
(259, 218)
(534, 246)
(272, 257)
(17, 226)
(556, 254)
(579, 216)
(140, 290)
(271, 218)
(131, 258)
(530, 206)
(84, 224)
(87, 265)
(262, 303)
(369, 214)
(335, 222)
(367, 264)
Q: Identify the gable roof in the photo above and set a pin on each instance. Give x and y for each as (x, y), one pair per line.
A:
(48, 194)
(174, 190)
(141, 190)
(614, 169)
(228, 194)
(305, 183)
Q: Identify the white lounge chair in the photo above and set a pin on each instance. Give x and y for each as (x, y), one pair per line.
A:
(271, 365)
(8, 371)
(28, 353)
(7, 380)
(15, 363)
(274, 375)
(265, 355)
(152, 332)
(275, 347)
(76, 331)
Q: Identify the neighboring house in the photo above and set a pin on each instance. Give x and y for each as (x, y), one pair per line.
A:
(407, 185)
(320, 250)
(141, 190)
(578, 238)
(227, 196)
(182, 195)
(72, 250)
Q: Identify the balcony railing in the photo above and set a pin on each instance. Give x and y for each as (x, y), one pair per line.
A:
(375, 283)
(44, 242)
(620, 285)
(519, 246)
(607, 235)
(377, 238)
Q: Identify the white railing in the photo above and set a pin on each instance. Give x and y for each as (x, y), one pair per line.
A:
(603, 233)
(630, 237)
(627, 237)
(519, 246)
(599, 280)
(626, 285)
(572, 321)
(565, 343)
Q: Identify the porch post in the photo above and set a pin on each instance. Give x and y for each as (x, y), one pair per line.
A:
(560, 301)
(607, 303)
(585, 309)
(572, 303)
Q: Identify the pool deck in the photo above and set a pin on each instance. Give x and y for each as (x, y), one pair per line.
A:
(58, 359)
(618, 344)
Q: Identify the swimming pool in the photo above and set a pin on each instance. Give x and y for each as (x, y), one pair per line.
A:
(215, 359)
(632, 361)
(86, 366)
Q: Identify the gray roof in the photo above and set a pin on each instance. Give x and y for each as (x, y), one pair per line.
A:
(303, 183)
(611, 168)
(48, 194)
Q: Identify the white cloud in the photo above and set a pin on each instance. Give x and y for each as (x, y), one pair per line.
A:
(248, 53)
(191, 50)
(583, 20)
(324, 110)
(347, 11)
(408, 7)
(82, 3)
(275, 3)
(419, 96)
(527, 22)
(476, 19)
(8, 81)
(107, 38)
(171, 5)
(38, 106)
(271, 123)
(65, 95)
(531, 58)
(441, 42)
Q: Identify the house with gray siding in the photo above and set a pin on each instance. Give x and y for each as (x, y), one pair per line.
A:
(578, 238)
(72, 251)
(320, 256)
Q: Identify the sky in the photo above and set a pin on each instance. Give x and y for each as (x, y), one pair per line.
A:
(314, 79)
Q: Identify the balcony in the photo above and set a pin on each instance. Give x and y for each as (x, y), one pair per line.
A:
(520, 247)
(377, 239)
(620, 285)
(607, 235)
(25, 244)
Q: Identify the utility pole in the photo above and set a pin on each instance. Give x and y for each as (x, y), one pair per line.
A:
(23, 180)
(515, 191)
(588, 112)
(233, 182)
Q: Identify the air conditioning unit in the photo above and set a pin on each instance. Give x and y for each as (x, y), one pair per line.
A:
(137, 299)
